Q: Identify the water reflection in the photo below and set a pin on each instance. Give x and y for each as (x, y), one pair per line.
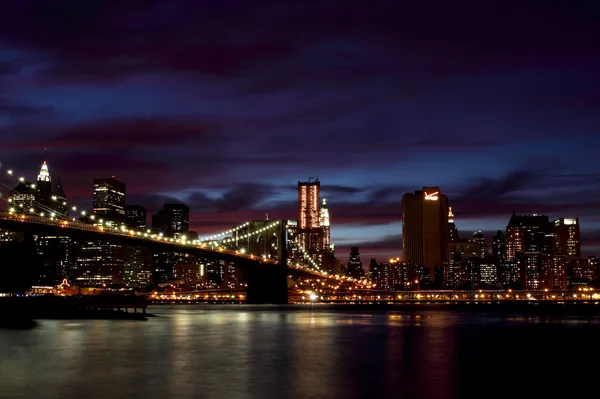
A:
(268, 352)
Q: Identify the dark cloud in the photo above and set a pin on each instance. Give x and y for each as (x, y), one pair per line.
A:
(334, 189)
(128, 134)
(98, 40)
(125, 134)
(13, 109)
(248, 97)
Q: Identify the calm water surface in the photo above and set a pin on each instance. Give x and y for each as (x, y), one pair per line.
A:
(232, 351)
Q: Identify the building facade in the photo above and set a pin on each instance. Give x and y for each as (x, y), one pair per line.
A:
(109, 200)
(425, 235)
(309, 228)
(355, 268)
(173, 220)
(567, 240)
(135, 217)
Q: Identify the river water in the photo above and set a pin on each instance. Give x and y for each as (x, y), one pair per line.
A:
(230, 351)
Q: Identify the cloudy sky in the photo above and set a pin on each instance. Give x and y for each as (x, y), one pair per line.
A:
(225, 105)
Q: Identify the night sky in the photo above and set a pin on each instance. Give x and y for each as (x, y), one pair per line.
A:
(225, 105)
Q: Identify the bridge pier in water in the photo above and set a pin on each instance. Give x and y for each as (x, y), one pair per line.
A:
(267, 284)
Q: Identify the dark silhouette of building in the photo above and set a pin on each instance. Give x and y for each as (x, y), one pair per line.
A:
(499, 245)
(452, 230)
(53, 259)
(378, 274)
(22, 198)
(528, 234)
(18, 274)
(567, 237)
(479, 238)
(109, 200)
(172, 220)
(138, 264)
(135, 216)
(59, 199)
(425, 229)
(355, 268)
(100, 262)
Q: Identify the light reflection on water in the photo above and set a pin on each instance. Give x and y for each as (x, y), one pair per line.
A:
(213, 351)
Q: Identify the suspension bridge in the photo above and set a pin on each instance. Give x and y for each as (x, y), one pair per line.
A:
(267, 262)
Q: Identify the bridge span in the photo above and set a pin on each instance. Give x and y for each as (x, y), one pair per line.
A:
(267, 277)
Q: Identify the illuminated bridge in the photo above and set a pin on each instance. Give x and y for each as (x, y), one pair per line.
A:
(265, 250)
(267, 269)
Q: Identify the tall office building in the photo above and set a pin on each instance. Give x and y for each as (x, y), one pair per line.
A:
(528, 238)
(567, 237)
(325, 227)
(309, 229)
(499, 245)
(425, 229)
(135, 216)
(527, 234)
(100, 262)
(44, 186)
(22, 198)
(479, 238)
(452, 230)
(59, 199)
(109, 199)
(53, 258)
(355, 268)
(137, 266)
(172, 220)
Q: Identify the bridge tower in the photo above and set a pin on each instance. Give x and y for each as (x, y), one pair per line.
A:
(267, 283)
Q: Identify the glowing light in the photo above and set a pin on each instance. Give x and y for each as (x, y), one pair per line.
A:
(313, 297)
(432, 196)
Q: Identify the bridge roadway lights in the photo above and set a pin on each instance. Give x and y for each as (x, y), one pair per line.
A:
(267, 283)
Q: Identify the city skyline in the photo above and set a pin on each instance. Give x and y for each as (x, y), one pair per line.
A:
(430, 193)
(498, 118)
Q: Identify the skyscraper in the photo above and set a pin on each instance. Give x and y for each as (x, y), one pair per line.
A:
(53, 257)
(44, 186)
(135, 216)
(22, 198)
(425, 228)
(528, 234)
(479, 238)
(173, 219)
(567, 237)
(109, 199)
(309, 229)
(528, 237)
(452, 230)
(499, 245)
(355, 268)
(325, 227)
(138, 262)
(59, 199)
(100, 262)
